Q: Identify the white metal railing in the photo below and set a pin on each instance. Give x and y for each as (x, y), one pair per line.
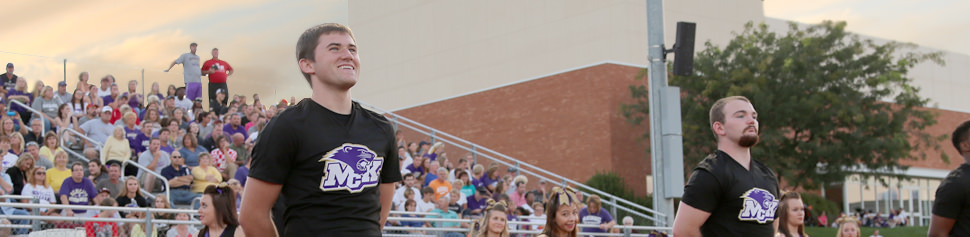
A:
(66, 148)
(149, 218)
(503, 159)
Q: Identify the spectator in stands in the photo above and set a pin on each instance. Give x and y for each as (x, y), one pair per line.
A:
(97, 172)
(34, 150)
(8, 159)
(234, 126)
(179, 180)
(51, 146)
(518, 195)
(477, 203)
(467, 188)
(848, 227)
(133, 134)
(217, 212)
(192, 72)
(38, 188)
(16, 145)
(36, 132)
(110, 99)
(494, 221)
(411, 206)
(238, 144)
(61, 95)
(47, 104)
(457, 201)
(561, 213)
(9, 79)
(538, 216)
(164, 137)
(461, 167)
(219, 108)
(441, 208)
(426, 203)
(209, 143)
(491, 178)
(205, 174)
(130, 196)
(77, 190)
(223, 157)
(90, 113)
(161, 202)
(182, 230)
(82, 82)
(154, 91)
(408, 195)
(66, 118)
(181, 116)
(57, 174)
(499, 190)
(791, 215)
(135, 99)
(204, 120)
(441, 185)
(594, 214)
(11, 125)
(19, 93)
(103, 228)
(18, 172)
(430, 168)
(416, 169)
(117, 148)
(113, 184)
(105, 89)
(191, 149)
(99, 129)
(182, 100)
(152, 113)
(77, 103)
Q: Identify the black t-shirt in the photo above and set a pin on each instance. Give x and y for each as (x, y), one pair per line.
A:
(741, 202)
(8, 83)
(953, 202)
(330, 170)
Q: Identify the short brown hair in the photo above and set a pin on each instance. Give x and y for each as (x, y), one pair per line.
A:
(311, 37)
(717, 110)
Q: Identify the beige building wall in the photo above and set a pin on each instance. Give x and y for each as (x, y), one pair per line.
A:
(415, 52)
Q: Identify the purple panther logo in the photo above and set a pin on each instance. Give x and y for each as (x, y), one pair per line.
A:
(759, 205)
(350, 167)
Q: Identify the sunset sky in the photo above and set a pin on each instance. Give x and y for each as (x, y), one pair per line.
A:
(258, 37)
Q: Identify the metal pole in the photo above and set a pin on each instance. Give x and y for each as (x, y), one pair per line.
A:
(36, 212)
(65, 70)
(143, 94)
(658, 80)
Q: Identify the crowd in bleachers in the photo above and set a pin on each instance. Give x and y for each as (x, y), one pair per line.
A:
(167, 133)
(193, 147)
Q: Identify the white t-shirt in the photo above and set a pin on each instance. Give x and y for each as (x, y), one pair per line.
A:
(45, 195)
(424, 206)
(9, 160)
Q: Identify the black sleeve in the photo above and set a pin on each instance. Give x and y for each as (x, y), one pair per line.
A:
(391, 171)
(949, 199)
(273, 154)
(702, 190)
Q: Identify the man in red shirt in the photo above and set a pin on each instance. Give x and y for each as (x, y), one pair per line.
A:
(218, 71)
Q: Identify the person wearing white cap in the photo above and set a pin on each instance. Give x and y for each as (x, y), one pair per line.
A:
(99, 129)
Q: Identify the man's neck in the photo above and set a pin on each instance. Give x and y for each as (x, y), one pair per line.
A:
(740, 154)
(334, 99)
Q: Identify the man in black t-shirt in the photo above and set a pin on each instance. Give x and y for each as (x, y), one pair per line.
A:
(333, 162)
(729, 193)
(951, 210)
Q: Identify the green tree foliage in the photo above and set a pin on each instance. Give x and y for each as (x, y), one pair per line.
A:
(820, 93)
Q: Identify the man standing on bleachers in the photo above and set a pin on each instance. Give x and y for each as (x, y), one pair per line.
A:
(191, 71)
(218, 72)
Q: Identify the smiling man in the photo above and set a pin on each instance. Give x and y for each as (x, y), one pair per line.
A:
(333, 162)
(729, 193)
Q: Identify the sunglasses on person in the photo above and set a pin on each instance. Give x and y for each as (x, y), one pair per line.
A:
(41, 173)
(176, 156)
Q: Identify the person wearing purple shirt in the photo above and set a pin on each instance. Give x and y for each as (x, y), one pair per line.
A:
(21, 94)
(594, 214)
(77, 189)
(133, 134)
(235, 126)
(476, 203)
(242, 173)
(163, 135)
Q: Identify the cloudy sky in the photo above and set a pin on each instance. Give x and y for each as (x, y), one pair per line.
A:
(258, 36)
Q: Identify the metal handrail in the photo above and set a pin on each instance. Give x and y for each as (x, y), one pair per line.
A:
(476, 149)
(152, 172)
(97, 144)
(63, 144)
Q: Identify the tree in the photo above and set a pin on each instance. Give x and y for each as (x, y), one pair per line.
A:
(821, 94)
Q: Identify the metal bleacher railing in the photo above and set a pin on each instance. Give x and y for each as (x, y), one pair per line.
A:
(36, 218)
(97, 144)
(613, 202)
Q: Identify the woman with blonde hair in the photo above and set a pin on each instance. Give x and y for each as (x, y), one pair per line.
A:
(60, 172)
(130, 195)
(50, 146)
(9, 125)
(38, 188)
(495, 221)
(18, 172)
(848, 227)
(17, 144)
(116, 147)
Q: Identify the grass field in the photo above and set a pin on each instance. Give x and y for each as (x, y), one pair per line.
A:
(866, 231)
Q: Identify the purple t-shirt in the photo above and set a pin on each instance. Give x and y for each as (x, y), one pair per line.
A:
(165, 147)
(135, 140)
(78, 193)
(473, 204)
(108, 99)
(227, 129)
(416, 170)
(241, 174)
(19, 109)
(134, 101)
(594, 219)
(488, 181)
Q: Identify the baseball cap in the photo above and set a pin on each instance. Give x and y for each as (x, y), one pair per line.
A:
(9, 65)
(198, 99)
(105, 190)
(482, 189)
(32, 143)
(220, 90)
(91, 106)
(106, 109)
(422, 143)
(62, 83)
